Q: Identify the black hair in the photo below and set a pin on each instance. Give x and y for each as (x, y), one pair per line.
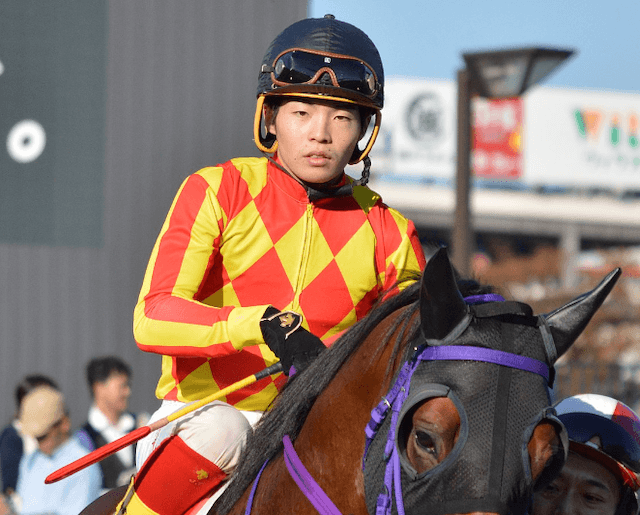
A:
(99, 369)
(628, 504)
(30, 382)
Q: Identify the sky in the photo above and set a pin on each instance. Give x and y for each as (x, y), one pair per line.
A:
(426, 38)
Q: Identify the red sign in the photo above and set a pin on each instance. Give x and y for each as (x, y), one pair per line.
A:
(496, 143)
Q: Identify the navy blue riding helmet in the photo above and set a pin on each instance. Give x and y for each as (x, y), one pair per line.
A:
(321, 58)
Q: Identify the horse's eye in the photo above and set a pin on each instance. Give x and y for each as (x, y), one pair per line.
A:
(425, 442)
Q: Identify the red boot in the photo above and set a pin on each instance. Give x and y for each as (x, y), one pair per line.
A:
(173, 479)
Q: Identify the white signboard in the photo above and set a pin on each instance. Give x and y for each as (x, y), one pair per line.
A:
(418, 136)
(570, 137)
(580, 138)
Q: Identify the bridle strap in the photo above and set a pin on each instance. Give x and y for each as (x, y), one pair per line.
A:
(252, 494)
(309, 487)
(498, 357)
(481, 299)
(299, 473)
(401, 386)
(394, 399)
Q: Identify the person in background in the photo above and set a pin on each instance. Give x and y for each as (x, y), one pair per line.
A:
(600, 476)
(6, 507)
(13, 442)
(109, 381)
(44, 416)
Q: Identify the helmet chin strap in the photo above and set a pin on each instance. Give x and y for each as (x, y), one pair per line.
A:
(315, 193)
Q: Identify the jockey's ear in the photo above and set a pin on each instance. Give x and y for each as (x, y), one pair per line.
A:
(270, 110)
(364, 124)
(568, 322)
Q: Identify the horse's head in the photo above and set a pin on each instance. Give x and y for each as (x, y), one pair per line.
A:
(469, 428)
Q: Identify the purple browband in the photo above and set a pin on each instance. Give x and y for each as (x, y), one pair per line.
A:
(498, 357)
(481, 299)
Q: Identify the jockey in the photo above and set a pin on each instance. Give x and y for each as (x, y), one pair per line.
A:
(266, 259)
(600, 475)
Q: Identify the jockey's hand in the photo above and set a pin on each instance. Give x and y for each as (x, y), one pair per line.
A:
(290, 342)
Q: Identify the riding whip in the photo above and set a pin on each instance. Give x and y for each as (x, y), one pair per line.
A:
(141, 432)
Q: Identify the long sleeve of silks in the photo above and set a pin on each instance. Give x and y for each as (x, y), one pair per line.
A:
(170, 317)
(404, 259)
(398, 252)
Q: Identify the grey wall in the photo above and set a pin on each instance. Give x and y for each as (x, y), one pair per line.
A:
(150, 92)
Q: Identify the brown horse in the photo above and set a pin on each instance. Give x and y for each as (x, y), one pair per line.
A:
(453, 434)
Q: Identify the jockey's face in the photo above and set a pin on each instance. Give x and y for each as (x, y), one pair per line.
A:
(315, 138)
(584, 487)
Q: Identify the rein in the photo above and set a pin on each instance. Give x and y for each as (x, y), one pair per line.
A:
(394, 400)
(309, 487)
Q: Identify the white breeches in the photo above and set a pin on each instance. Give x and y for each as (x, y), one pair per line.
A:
(217, 431)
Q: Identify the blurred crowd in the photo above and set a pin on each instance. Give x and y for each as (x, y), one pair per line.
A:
(40, 440)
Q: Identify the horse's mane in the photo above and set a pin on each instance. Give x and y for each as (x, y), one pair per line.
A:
(293, 403)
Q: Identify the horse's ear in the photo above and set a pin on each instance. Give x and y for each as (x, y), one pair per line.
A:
(441, 304)
(567, 322)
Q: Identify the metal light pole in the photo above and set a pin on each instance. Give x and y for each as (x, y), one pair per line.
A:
(462, 228)
(494, 74)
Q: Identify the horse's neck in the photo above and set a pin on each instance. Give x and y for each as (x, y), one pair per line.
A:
(331, 442)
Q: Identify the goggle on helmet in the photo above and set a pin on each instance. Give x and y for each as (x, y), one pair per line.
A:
(321, 58)
(605, 430)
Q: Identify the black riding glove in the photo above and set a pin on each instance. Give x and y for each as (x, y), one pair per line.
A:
(289, 341)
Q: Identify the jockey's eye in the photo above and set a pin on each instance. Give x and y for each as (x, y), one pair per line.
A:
(425, 442)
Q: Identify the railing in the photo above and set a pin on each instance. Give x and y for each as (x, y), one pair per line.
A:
(619, 381)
